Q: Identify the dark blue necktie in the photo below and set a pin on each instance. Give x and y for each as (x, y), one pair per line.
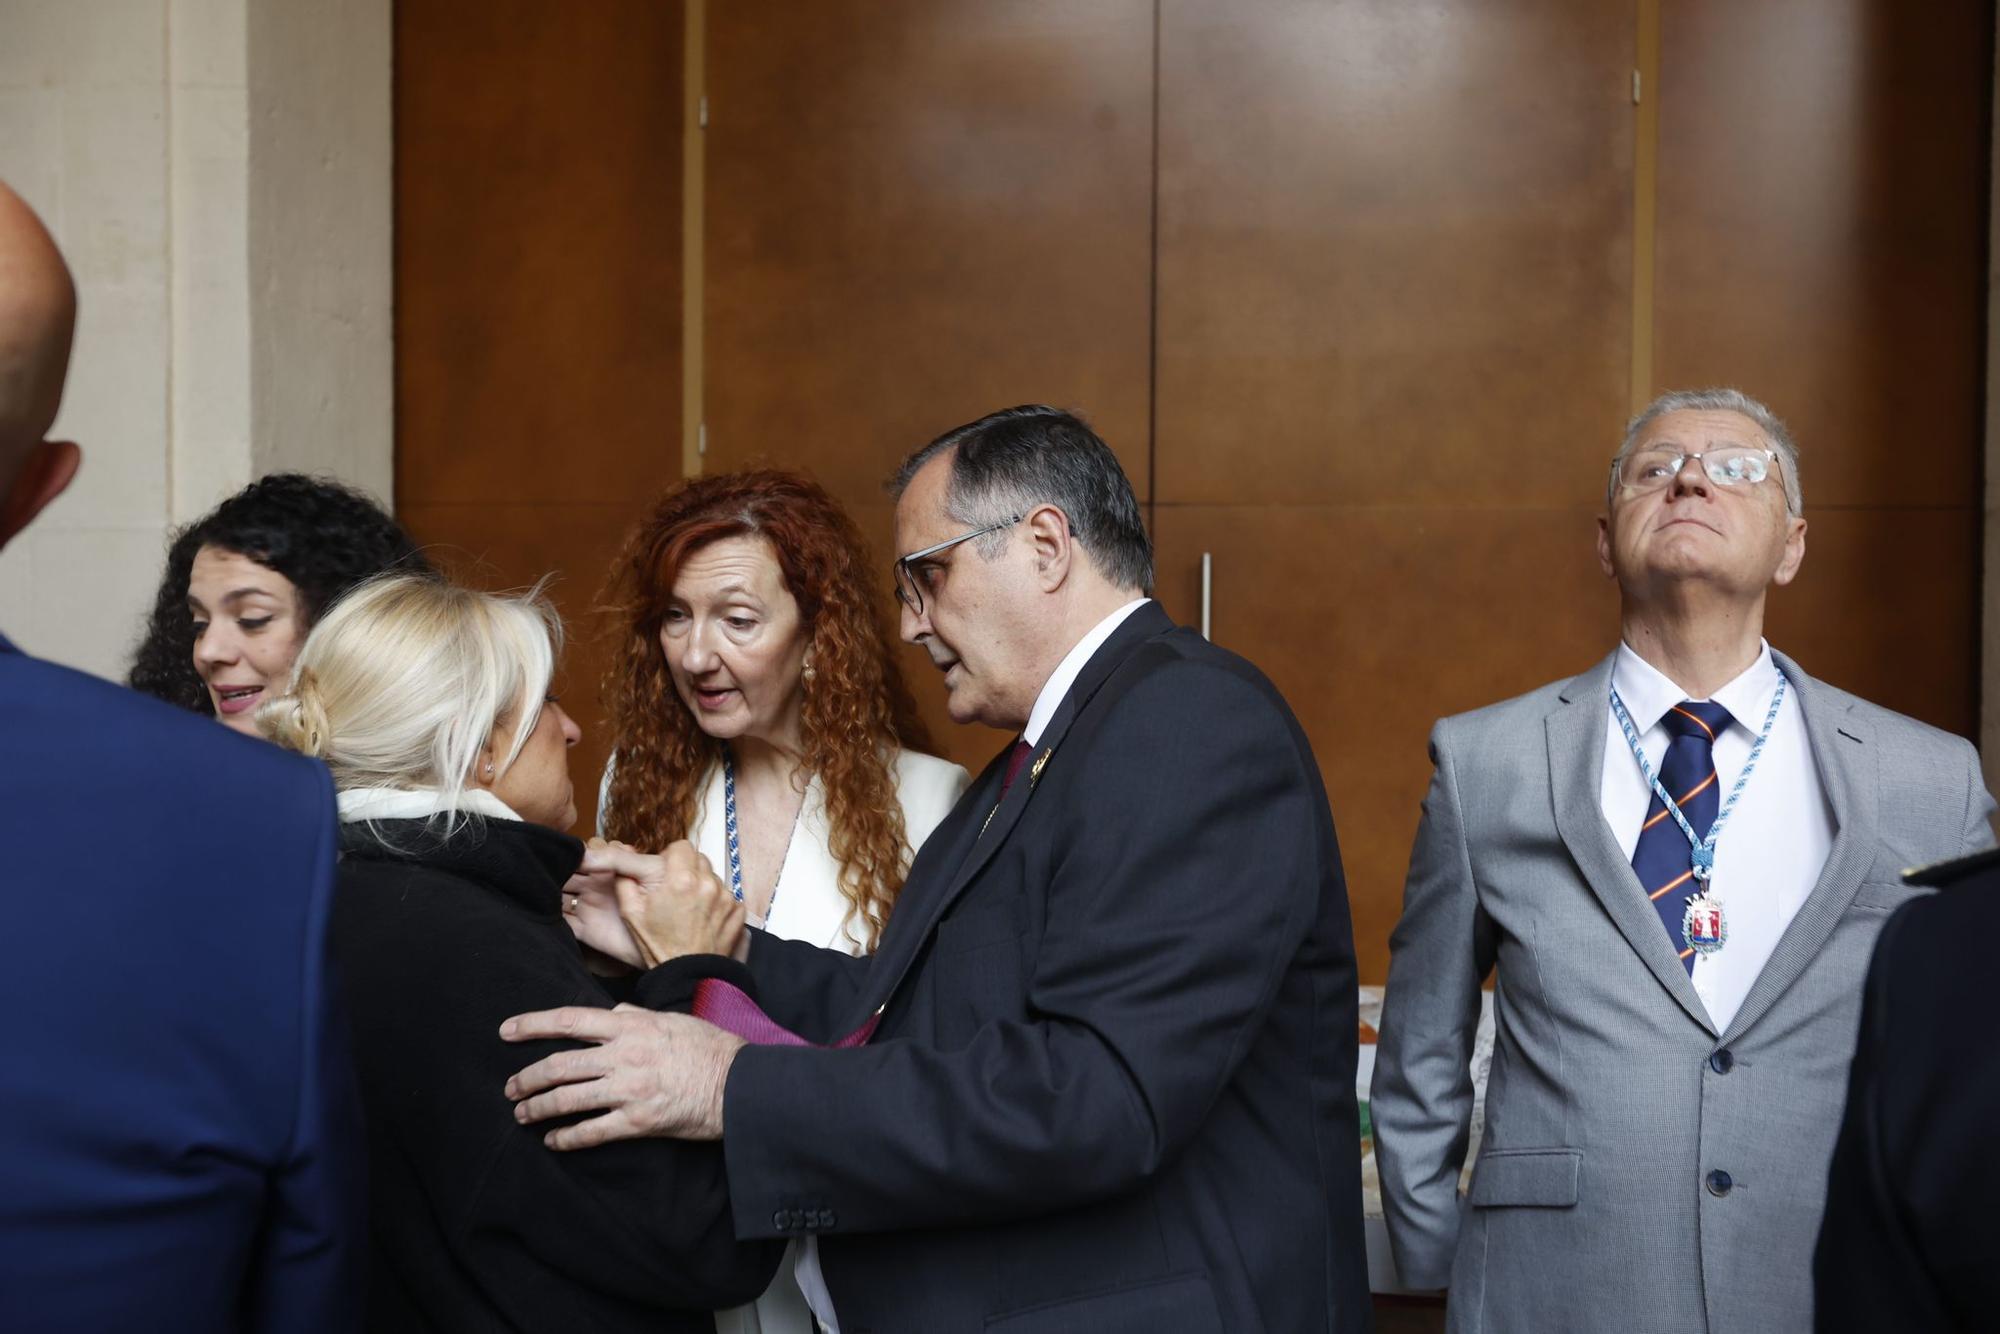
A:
(1663, 859)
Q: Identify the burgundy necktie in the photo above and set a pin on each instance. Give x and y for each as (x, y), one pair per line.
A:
(727, 1007)
(1015, 759)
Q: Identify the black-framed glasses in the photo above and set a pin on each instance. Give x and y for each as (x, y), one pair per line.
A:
(910, 586)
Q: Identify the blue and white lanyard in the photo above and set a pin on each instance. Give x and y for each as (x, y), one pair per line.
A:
(729, 836)
(1703, 855)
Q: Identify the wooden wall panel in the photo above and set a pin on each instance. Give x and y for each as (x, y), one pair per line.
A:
(1884, 606)
(1395, 249)
(1395, 275)
(919, 211)
(1822, 245)
(538, 320)
(1374, 621)
(1822, 230)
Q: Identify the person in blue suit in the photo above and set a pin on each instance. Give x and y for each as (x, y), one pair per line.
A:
(179, 1136)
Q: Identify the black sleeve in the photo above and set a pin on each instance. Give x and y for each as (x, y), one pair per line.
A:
(671, 985)
(808, 989)
(1162, 954)
(1868, 1273)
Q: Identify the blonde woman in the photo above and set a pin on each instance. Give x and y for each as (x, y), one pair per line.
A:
(429, 704)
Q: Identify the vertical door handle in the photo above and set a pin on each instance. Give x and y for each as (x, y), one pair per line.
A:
(1207, 590)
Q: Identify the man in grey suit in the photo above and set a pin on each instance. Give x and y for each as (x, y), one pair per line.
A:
(1677, 983)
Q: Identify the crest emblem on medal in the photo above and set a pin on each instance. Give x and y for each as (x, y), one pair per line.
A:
(1703, 925)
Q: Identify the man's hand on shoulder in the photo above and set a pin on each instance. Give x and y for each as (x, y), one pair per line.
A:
(648, 1074)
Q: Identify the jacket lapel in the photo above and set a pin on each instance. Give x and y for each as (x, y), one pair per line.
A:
(1575, 730)
(1842, 749)
(988, 833)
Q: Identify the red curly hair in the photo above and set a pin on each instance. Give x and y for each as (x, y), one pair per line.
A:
(854, 717)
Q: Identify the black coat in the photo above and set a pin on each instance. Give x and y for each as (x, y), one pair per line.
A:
(474, 1223)
(1910, 1241)
(1113, 1086)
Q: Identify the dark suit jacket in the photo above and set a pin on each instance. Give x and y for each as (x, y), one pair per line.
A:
(1910, 1240)
(179, 1141)
(1113, 1086)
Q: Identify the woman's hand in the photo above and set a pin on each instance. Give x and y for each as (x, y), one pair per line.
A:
(672, 904)
(590, 905)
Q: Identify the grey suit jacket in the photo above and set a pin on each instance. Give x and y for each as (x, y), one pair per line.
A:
(1612, 1099)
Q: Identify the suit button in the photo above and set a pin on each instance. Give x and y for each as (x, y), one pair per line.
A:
(778, 1220)
(1722, 1062)
(1720, 1183)
(826, 1220)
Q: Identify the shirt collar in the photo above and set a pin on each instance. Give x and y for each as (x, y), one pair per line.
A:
(1648, 692)
(1066, 671)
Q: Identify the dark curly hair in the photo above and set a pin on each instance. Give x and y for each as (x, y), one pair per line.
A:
(855, 715)
(322, 536)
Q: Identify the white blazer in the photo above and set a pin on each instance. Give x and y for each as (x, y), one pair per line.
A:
(808, 904)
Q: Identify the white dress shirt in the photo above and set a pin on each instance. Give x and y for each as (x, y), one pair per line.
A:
(1064, 675)
(1771, 851)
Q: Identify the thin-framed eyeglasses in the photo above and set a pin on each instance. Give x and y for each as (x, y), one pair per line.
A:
(1726, 465)
(910, 588)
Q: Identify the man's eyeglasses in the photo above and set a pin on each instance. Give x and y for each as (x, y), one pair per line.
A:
(1729, 465)
(910, 583)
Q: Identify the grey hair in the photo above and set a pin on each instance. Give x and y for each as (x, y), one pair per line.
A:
(1011, 461)
(1717, 400)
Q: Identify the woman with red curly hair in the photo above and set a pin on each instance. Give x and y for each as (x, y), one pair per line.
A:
(754, 677)
(760, 715)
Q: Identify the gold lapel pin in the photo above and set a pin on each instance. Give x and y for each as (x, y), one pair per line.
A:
(1035, 773)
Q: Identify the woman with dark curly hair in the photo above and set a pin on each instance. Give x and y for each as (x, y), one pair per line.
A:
(244, 584)
(758, 713)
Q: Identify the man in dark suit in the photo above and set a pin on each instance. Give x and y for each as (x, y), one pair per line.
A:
(178, 1137)
(1910, 1240)
(1108, 1076)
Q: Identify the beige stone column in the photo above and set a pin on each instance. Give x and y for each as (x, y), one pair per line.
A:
(219, 174)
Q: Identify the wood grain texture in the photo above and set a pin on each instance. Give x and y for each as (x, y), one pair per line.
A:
(1822, 245)
(1376, 621)
(1395, 286)
(920, 211)
(1886, 605)
(538, 297)
(1823, 176)
(538, 224)
(1395, 249)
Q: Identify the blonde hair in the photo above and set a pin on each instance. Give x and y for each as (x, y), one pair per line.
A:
(402, 682)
